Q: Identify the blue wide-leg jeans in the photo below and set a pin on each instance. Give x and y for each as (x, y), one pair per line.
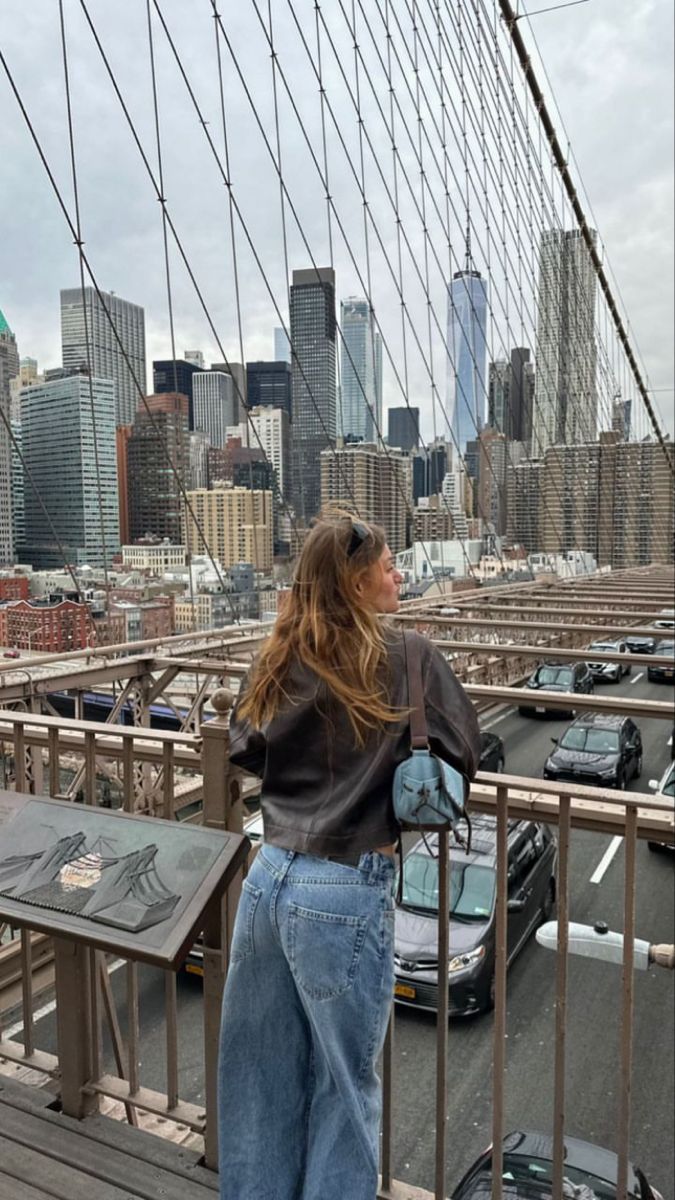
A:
(305, 1010)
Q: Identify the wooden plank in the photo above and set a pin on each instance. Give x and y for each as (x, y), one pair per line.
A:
(122, 1162)
(105, 1131)
(16, 1189)
(53, 1179)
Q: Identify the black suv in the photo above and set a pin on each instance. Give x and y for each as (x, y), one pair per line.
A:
(557, 677)
(663, 672)
(473, 888)
(491, 752)
(527, 1165)
(596, 749)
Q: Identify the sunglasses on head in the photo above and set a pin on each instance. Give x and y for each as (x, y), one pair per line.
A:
(360, 534)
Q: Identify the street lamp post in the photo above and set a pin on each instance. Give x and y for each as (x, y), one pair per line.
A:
(598, 941)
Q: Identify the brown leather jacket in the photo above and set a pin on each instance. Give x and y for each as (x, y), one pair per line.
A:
(323, 795)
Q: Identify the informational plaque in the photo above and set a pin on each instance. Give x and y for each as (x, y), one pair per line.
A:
(130, 885)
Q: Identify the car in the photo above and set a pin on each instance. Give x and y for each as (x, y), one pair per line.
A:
(11, 654)
(491, 752)
(610, 672)
(640, 643)
(589, 1172)
(253, 828)
(663, 672)
(597, 749)
(665, 790)
(532, 855)
(557, 677)
(665, 619)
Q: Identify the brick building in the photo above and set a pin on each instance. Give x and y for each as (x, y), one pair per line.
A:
(14, 587)
(50, 628)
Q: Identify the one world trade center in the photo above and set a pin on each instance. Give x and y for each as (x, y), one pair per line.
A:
(467, 367)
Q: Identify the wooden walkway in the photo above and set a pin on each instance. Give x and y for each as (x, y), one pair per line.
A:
(47, 1156)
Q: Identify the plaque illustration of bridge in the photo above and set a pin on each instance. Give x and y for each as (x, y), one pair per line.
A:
(124, 891)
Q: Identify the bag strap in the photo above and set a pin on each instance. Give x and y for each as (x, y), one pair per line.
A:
(419, 737)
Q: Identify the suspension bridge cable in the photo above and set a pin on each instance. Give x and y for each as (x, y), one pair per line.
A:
(473, 355)
(520, 306)
(561, 165)
(90, 273)
(291, 205)
(169, 293)
(239, 214)
(85, 319)
(170, 222)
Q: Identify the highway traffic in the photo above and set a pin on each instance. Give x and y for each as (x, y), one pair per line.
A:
(596, 892)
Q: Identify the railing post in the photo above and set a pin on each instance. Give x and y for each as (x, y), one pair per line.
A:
(222, 809)
(74, 1026)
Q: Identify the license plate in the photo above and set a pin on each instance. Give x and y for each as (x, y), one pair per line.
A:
(402, 989)
(192, 969)
(540, 710)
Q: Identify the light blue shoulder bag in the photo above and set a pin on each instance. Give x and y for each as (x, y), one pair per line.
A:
(428, 793)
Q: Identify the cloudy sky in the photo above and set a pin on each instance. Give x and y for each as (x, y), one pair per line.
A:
(609, 64)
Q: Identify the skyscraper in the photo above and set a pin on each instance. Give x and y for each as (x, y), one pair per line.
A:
(236, 523)
(360, 374)
(314, 398)
(237, 371)
(273, 431)
(175, 375)
(269, 385)
(491, 492)
(155, 501)
(621, 417)
(374, 481)
(58, 437)
(499, 396)
(9, 368)
(282, 346)
(107, 359)
(430, 465)
(467, 365)
(403, 428)
(214, 406)
(521, 397)
(565, 397)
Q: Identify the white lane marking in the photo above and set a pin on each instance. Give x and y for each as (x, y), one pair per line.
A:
(49, 1008)
(501, 717)
(636, 677)
(606, 859)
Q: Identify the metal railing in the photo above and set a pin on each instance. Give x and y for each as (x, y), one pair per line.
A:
(88, 992)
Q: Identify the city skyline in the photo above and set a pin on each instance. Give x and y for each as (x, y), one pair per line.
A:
(128, 259)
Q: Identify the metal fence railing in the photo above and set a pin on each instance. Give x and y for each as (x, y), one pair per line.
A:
(150, 763)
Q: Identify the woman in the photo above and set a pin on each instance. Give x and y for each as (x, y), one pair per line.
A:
(323, 720)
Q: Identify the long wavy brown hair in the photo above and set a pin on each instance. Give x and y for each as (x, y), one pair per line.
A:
(327, 623)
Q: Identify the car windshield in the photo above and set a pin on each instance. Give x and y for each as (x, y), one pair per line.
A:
(530, 1169)
(668, 787)
(605, 647)
(595, 741)
(562, 675)
(472, 888)
(667, 649)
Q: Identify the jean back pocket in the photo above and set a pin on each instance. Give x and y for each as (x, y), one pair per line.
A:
(324, 950)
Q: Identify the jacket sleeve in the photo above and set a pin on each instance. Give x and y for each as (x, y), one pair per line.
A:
(451, 717)
(248, 748)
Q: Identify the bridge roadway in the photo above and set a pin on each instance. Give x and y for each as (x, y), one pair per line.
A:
(593, 1007)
